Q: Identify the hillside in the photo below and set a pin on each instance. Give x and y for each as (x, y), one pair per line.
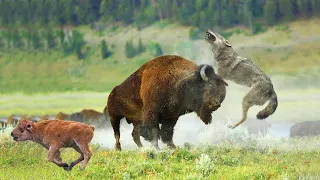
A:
(290, 49)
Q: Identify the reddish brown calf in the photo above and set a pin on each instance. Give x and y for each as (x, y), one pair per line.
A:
(55, 134)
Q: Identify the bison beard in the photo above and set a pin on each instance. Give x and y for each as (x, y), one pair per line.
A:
(159, 92)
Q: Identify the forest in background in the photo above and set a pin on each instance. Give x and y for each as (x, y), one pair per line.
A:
(40, 24)
(35, 24)
(42, 41)
(198, 13)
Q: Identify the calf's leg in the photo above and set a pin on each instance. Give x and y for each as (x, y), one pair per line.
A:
(75, 162)
(51, 157)
(86, 153)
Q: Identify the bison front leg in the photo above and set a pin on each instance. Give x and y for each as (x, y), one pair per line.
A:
(166, 133)
(151, 123)
(136, 134)
(51, 157)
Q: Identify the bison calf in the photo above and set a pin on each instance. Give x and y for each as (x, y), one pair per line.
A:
(159, 92)
(55, 134)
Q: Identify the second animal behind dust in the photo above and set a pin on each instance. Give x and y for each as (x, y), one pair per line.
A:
(243, 71)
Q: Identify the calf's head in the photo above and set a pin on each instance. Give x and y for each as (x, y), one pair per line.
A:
(23, 131)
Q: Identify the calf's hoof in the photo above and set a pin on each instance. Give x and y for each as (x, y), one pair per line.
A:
(66, 167)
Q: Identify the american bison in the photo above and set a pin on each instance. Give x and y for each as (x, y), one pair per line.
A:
(12, 120)
(56, 134)
(307, 128)
(87, 116)
(159, 92)
(62, 116)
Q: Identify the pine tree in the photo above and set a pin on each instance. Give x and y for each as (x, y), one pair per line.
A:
(140, 48)
(130, 51)
(316, 7)
(305, 8)
(50, 38)
(36, 39)
(270, 10)
(286, 9)
(104, 50)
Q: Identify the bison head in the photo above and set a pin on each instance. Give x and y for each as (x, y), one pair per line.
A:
(205, 91)
(23, 130)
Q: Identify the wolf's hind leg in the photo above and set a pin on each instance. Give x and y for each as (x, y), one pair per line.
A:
(254, 97)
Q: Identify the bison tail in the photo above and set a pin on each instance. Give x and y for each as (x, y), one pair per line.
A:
(271, 107)
(92, 127)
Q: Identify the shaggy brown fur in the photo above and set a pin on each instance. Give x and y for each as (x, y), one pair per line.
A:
(162, 90)
(55, 134)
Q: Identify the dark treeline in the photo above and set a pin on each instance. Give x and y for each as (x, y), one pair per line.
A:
(199, 13)
(41, 24)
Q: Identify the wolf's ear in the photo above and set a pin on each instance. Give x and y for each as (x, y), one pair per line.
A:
(227, 43)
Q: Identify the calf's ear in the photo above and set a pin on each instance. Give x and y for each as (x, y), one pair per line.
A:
(29, 126)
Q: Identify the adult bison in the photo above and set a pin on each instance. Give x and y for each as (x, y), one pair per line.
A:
(307, 128)
(159, 92)
(87, 116)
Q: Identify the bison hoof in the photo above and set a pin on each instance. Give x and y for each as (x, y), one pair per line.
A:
(231, 126)
(66, 167)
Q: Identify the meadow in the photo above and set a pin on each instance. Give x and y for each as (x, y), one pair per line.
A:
(254, 158)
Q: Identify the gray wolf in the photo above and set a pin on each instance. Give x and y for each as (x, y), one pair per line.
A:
(243, 71)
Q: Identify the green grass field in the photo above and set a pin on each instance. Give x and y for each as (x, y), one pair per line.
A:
(52, 103)
(27, 160)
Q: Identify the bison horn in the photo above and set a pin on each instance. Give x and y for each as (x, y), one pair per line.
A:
(203, 73)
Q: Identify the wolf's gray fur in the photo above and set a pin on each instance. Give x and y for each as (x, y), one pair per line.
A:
(242, 71)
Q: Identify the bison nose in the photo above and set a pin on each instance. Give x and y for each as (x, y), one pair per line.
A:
(12, 134)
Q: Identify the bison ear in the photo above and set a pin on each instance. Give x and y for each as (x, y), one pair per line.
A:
(206, 71)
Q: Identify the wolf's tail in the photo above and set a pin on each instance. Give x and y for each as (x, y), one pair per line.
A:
(271, 107)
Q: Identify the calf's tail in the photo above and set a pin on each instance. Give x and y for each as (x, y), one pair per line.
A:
(92, 127)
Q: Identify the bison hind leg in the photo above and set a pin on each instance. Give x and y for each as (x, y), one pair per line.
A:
(146, 132)
(115, 122)
(136, 134)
